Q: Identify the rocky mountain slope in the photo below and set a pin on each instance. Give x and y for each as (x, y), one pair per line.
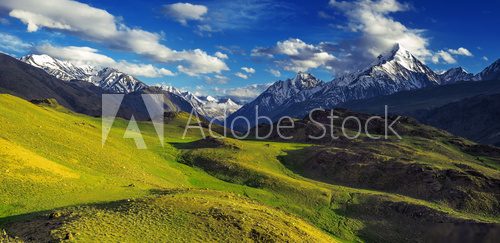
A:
(280, 95)
(413, 102)
(475, 118)
(454, 75)
(492, 72)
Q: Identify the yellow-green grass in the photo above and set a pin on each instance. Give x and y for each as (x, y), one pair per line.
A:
(51, 158)
(174, 215)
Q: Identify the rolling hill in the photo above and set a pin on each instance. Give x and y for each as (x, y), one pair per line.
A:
(59, 183)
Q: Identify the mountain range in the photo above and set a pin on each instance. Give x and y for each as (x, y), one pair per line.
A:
(107, 78)
(391, 72)
(207, 106)
(111, 80)
(394, 71)
(34, 84)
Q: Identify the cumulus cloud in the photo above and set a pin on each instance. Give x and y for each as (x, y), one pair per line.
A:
(274, 72)
(298, 55)
(98, 25)
(11, 43)
(81, 55)
(443, 56)
(184, 12)
(142, 70)
(486, 58)
(377, 32)
(34, 21)
(221, 55)
(461, 52)
(241, 75)
(447, 56)
(248, 69)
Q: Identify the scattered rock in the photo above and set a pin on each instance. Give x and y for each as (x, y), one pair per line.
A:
(69, 236)
(55, 215)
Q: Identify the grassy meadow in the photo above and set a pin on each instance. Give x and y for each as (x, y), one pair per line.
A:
(57, 182)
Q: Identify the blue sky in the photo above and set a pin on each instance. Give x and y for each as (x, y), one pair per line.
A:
(202, 46)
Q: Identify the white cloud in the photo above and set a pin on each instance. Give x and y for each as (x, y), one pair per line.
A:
(485, 58)
(183, 12)
(11, 43)
(201, 63)
(448, 56)
(34, 21)
(100, 26)
(378, 32)
(241, 75)
(221, 55)
(274, 72)
(81, 55)
(143, 70)
(444, 56)
(221, 79)
(299, 56)
(248, 69)
(244, 94)
(460, 51)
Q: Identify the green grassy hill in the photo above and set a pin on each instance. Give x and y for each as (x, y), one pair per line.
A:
(58, 183)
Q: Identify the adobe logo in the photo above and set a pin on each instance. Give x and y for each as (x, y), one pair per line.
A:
(154, 105)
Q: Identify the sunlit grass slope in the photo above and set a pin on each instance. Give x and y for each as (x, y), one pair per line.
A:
(52, 158)
(174, 215)
(57, 182)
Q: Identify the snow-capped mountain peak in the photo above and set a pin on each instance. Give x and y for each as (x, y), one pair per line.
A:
(392, 71)
(400, 55)
(60, 69)
(170, 89)
(109, 79)
(118, 82)
(230, 102)
(207, 106)
(455, 75)
(305, 80)
(492, 72)
(211, 99)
